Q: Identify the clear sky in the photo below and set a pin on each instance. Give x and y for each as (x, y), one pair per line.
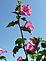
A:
(9, 35)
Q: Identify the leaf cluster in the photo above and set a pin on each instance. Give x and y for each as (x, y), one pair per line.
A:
(12, 23)
(19, 43)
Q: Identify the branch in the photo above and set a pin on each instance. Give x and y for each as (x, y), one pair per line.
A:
(22, 38)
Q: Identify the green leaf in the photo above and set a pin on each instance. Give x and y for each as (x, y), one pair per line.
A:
(38, 48)
(32, 55)
(17, 8)
(15, 13)
(25, 29)
(18, 17)
(16, 48)
(24, 19)
(12, 23)
(39, 39)
(44, 59)
(38, 57)
(20, 2)
(19, 41)
(43, 44)
(42, 52)
(3, 57)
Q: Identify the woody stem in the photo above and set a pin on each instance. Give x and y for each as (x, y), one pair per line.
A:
(22, 39)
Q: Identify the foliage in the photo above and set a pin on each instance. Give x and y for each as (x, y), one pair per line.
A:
(20, 41)
(12, 23)
(3, 58)
(22, 10)
(43, 44)
(25, 29)
(33, 48)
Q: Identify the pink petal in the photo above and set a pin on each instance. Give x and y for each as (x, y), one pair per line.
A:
(32, 49)
(19, 58)
(2, 51)
(25, 9)
(29, 25)
(29, 47)
(33, 44)
(31, 28)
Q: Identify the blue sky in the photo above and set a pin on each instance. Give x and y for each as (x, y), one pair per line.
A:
(9, 35)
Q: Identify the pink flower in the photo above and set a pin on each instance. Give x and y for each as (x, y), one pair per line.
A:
(25, 10)
(29, 25)
(30, 48)
(33, 42)
(20, 58)
(2, 51)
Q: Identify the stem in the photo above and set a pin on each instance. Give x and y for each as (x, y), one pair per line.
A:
(22, 39)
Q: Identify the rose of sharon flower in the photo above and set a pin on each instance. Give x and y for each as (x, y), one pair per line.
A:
(25, 10)
(19, 59)
(29, 25)
(33, 42)
(29, 47)
(2, 51)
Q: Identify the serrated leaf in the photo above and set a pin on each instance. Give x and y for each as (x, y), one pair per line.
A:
(16, 48)
(17, 8)
(3, 57)
(38, 57)
(25, 29)
(24, 19)
(42, 52)
(43, 45)
(12, 23)
(19, 41)
(32, 55)
(40, 39)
